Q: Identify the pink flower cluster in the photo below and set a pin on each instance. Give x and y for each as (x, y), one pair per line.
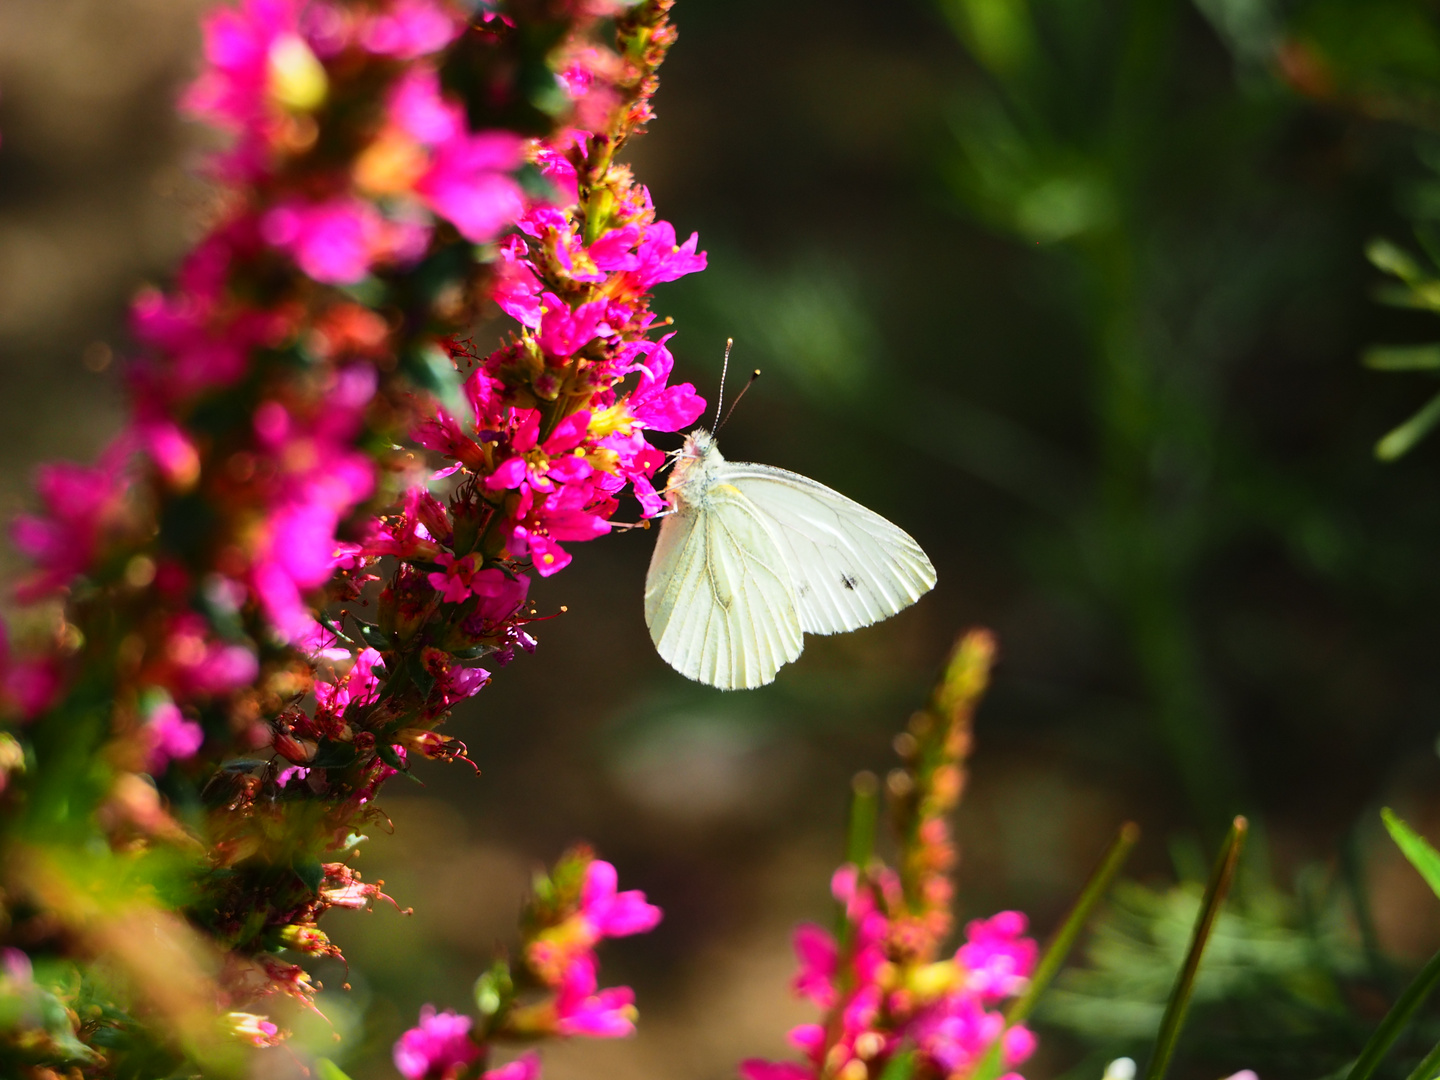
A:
(563, 956)
(234, 533)
(878, 1002)
(560, 961)
(275, 64)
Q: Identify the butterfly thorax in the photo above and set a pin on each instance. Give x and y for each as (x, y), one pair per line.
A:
(694, 470)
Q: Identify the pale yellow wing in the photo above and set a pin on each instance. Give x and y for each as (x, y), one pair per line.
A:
(851, 567)
(718, 596)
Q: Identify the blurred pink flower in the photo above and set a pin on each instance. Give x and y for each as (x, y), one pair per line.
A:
(172, 737)
(438, 1047)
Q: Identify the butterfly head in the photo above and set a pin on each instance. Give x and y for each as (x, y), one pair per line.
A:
(698, 444)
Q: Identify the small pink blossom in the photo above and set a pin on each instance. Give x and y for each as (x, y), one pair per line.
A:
(525, 1067)
(411, 28)
(997, 957)
(581, 1010)
(469, 183)
(332, 241)
(614, 914)
(819, 957)
(171, 736)
(439, 1046)
(563, 331)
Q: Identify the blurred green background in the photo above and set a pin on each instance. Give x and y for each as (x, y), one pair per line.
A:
(1072, 290)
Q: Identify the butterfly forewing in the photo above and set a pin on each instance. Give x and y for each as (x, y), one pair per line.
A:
(850, 566)
(719, 598)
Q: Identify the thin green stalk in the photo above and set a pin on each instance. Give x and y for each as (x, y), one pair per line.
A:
(860, 837)
(1061, 944)
(1179, 1003)
(1429, 1068)
(1064, 939)
(864, 817)
(1395, 1021)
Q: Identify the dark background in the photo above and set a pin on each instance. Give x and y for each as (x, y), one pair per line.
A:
(1078, 300)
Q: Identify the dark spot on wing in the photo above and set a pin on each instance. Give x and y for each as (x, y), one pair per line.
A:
(804, 588)
(848, 581)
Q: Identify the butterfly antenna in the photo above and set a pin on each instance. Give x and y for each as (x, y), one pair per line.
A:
(724, 367)
(751, 382)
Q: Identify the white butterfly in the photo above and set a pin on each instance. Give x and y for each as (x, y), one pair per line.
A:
(751, 556)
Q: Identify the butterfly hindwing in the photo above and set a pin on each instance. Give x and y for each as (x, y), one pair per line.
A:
(850, 566)
(719, 598)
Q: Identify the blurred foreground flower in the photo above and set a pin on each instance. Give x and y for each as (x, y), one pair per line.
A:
(893, 1007)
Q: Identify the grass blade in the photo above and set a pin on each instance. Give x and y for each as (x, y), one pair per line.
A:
(1179, 1003)
(1398, 442)
(1403, 358)
(1429, 1068)
(1395, 1020)
(1061, 944)
(1414, 847)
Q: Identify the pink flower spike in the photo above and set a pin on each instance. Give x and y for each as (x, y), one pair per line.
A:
(611, 913)
(438, 1045)
(526, 1067)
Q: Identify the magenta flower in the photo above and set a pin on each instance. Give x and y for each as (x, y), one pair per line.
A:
(659, 258)
(819, 958)
(233, 91)
(996, 956)
(469, 183)
(580, 1010)
(27, 685)
(437, 1048)
(563, 331)
(614, 914)
(332, 241)
(78, 501)
(657, 406)
(525, 1067)
(411, 29)
(171, 736)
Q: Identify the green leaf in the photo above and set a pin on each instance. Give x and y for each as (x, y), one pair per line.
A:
(310, 871)
(900, 1067)
(1414, 847)
(333, 754)
(1400, 441)
(376, 638)
(325, 1069)
(1393, 259)
(1403, 358)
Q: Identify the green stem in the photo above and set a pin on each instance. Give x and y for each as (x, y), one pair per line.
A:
(1179, 1003)
(1064, 939)
(1061, 944)
(1395, 1021)
(1429, 1068)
